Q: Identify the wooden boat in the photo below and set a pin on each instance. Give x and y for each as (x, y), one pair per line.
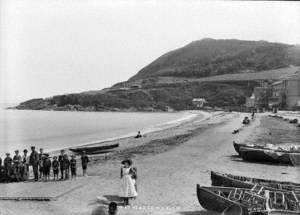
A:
(229, 180)
(95, 149)
(237, 146)
(233, 210)
(217, 198)
(264, 155)
(250, 200)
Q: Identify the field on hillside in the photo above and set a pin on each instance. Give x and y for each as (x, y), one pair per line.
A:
(277, 74)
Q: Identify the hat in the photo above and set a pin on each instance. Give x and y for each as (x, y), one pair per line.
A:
(129, 161)
(17, 150)
(32, 147)
(25, 150)
(7, 153)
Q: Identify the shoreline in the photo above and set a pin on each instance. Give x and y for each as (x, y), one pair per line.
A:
(191, 115)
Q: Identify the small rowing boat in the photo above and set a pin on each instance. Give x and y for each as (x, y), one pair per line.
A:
(95, 149)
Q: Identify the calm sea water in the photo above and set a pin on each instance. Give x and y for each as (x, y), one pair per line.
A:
(54, 130)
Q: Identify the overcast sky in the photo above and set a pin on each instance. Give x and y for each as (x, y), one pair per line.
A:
(51, 47)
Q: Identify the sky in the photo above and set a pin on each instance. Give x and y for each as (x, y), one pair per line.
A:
(51, 47)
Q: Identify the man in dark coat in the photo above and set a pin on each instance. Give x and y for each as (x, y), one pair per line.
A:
(8, 165)
(61, 163)
(41, 156)
(84, 162)
(34, 162)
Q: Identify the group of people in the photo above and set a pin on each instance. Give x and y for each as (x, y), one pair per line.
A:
(16, 168)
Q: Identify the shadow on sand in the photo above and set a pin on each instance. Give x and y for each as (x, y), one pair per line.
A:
(198, 213)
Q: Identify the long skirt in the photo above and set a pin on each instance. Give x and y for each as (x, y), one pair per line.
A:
(128, 187)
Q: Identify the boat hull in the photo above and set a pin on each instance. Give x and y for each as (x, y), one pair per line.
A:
(264, 155)
(95, 150)
(210, 201)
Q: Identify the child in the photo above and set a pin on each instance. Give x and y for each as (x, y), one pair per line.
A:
(46, 166)
(73, 166)
(55, 166)
(66, 164)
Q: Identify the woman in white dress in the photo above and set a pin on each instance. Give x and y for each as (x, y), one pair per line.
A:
(128, 180)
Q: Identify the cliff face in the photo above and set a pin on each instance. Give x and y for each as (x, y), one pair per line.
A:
(174, 79)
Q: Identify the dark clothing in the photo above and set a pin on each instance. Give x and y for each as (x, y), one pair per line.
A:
(73, 172)
(55, 165)
(0, 162)
(84, 161)
(46, 166)
(35, 172)
(8, 166)
(66, 163)
(73, 163)
(17, 159)
(7, 162)
(61, 165)
(34, 161)
(34, 158)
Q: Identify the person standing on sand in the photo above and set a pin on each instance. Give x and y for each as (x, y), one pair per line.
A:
(34, 162)
(17, 162)
(55, 166)
(84, 162)
(61, 163)
(7, 165)
(25, 164)
(128, 175)
(41, 162)
(66, 166)
(73, 166)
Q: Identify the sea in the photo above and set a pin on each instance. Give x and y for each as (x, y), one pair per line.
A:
(54, 130)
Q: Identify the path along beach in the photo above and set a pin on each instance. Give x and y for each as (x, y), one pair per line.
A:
(170, 163)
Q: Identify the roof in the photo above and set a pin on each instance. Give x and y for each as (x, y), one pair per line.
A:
(277, 82)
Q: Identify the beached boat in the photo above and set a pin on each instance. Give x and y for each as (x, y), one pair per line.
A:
(265, 155)
(217, 198)
(237, 146)
(229, 180)
(252, 202)
(95, 149)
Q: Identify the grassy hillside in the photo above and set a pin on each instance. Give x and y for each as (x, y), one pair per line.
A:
(210, 57)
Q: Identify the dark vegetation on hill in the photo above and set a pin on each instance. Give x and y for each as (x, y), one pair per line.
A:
(204, 58)
(209, 57)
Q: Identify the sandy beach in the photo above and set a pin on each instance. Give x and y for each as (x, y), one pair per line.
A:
(170, 163)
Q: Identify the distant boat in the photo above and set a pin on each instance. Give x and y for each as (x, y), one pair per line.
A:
(264, 203)
(229, 180)
(95, 149)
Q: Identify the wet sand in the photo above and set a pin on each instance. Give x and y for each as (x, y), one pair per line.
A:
(170, 163)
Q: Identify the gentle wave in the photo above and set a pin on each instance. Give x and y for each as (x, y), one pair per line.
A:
(188, 116)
